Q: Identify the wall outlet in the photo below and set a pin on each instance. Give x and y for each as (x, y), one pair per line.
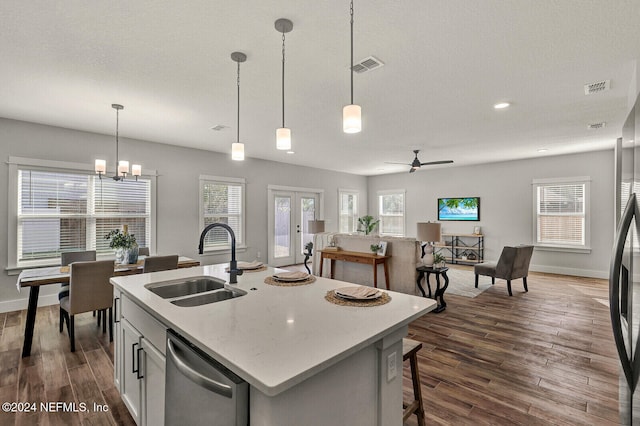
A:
(391, 366)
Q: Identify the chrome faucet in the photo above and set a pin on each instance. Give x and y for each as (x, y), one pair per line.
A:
(233, 265)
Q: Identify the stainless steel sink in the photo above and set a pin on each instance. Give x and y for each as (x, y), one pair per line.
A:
(185, 286)
(212, 297)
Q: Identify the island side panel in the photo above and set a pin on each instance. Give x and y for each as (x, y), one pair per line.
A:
(347, 393)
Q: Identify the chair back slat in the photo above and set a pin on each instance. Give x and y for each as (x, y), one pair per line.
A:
(68, 257)
(160, 263)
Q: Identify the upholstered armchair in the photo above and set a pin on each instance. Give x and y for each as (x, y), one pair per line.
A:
(513, 264)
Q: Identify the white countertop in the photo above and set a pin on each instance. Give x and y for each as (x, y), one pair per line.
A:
(274, 337)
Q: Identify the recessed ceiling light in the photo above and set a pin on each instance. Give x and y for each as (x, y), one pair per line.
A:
(291, 152)
(543, 150)
(501, 105)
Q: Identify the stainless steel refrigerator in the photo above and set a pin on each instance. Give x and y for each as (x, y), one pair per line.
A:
(624, 273)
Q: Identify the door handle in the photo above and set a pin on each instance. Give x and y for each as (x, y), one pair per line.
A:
(133, 359)
(631, 373)
(115, 310)
(195, 376)
(139, 374)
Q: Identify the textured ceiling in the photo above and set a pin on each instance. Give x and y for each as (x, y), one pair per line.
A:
(447, 62)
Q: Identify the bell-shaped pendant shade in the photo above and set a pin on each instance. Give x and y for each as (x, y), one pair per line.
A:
(351, 119)
(283, 138)
(237, 151)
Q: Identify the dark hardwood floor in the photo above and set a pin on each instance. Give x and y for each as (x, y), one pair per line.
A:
(545, 357)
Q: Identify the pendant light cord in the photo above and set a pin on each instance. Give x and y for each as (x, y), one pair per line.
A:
(238, 115)
(351, 12)
(282, 79)
(117, 142)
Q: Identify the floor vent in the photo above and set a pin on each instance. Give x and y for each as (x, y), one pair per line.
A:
(367, 64)
(597, 87)
(596, 125)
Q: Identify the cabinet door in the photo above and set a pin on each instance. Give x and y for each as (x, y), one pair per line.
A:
(153, 368)
(130, 383)
(117, 344)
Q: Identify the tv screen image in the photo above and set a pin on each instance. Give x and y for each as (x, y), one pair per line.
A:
(467, 208)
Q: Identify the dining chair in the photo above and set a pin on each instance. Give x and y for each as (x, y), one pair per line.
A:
(89, 290)
(160, 263)
(68, 257)
(143, 251)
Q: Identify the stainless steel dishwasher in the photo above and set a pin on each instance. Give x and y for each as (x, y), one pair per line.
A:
(200, 390)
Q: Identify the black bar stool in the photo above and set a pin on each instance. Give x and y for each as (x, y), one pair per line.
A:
(410, 350)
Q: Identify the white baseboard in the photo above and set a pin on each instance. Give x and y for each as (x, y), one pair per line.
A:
(590, 273)
(20, 304)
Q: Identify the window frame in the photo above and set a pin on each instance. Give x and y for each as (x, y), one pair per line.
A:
(570, 248)
(356, 194)
(382, 193)
(15, 164)
(241, 243)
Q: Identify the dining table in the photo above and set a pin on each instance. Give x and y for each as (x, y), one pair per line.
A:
(37, 277)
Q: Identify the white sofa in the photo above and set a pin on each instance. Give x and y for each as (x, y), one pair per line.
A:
(405, 256)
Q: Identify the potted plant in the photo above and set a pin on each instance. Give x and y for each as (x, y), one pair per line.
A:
(367, 224)
(125, 245)
(439, 260)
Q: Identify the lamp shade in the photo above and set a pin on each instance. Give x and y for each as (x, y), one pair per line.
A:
(351, 119)
(429, 231)
(237, 151)
(101, 166)
(315, 226)
(283, 138)
(136, 170)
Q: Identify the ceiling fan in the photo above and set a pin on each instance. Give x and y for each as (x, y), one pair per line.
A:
(416, 164)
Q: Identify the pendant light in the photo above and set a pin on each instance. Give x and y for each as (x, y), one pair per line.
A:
(283, 134)
(122, 166)
(351, 114)
(237, 148)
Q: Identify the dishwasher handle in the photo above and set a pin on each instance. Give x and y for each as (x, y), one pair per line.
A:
(196, 377)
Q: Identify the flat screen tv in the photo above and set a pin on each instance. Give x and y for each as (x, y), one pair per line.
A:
(463, 208)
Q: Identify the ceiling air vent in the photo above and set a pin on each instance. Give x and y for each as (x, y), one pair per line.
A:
(367, 64)
(593, 126)
(597, 87)
(219, 127)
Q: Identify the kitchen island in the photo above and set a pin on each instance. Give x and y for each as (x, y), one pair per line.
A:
(307, 361)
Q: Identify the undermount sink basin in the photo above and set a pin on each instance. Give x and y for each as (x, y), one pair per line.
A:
(214, 296)
(185, 286)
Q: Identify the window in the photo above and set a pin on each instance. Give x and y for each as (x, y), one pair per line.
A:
(347, 211)
(62, 209)
(391, 212)
(222, 200)
(561, 213)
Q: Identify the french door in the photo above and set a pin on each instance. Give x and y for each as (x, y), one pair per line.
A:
(289, 214)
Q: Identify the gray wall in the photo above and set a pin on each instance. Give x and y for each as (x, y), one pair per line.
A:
(177, 187)
(506, 211)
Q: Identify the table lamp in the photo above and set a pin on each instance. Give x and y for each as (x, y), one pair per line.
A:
(428, 232)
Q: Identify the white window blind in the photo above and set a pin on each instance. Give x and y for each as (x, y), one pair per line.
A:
(391, 213)
(66, 211)
(348, 211)
(222, 201)
(561, 214)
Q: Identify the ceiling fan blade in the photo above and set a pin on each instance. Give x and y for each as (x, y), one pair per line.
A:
(404, 164)
(436, 162)
(411, 170)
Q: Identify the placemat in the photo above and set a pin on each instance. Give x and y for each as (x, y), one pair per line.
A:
(272, 281)
(332, 298)
(260, 269)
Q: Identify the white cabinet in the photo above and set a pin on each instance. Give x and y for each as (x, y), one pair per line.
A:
(139, 361)
(153, 369)
(117, 331)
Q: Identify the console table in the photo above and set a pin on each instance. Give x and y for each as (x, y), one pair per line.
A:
(357, 257)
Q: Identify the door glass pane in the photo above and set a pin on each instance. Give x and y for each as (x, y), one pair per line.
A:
(282, 227)
(308, 212)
